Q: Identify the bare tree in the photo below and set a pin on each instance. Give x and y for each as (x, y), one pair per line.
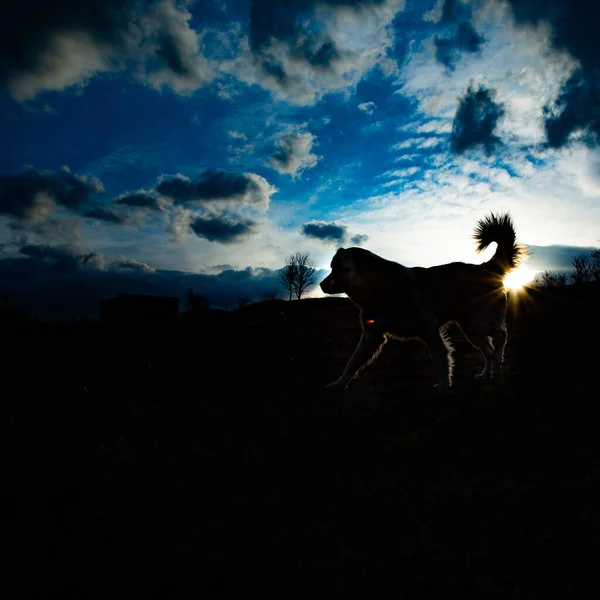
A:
(550, 280)
(195, 301)
(305, 273)
(298, 274)
(287, 276)
(582, 269)
(269, 295)
(595, 268)
(244, 300)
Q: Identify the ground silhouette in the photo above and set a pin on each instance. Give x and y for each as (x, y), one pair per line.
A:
(206, 456)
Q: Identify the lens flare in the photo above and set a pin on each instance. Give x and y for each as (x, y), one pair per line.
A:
(516, 279)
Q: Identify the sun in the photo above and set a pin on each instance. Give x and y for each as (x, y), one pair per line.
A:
(516, 279)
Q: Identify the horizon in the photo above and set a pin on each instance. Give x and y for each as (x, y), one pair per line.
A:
(168, 145)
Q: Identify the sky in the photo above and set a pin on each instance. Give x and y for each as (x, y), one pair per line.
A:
(155, 147)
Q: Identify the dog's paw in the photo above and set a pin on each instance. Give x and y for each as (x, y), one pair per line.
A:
(336, 385)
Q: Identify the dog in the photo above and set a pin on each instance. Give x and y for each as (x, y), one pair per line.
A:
(400, 302)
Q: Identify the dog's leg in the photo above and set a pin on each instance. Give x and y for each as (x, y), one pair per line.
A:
(484, 343)
(368, 349)
(439, 355)
(499, 340)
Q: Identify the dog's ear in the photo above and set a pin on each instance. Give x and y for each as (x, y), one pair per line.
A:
(338, 254)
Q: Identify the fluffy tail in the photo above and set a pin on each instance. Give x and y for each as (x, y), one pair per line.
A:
(499, 229)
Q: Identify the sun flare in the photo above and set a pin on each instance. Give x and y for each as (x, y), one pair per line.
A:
(516, 279)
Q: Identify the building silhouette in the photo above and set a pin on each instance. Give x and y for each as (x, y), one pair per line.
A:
(138, 308)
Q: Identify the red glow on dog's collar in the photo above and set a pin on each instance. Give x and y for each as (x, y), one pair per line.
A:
(370, 321)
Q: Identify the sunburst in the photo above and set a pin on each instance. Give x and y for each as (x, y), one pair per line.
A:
(516, 279)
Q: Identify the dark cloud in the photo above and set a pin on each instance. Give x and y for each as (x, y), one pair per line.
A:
(30, 194)
(461, 36)
(325, 231)
(47, 204)
(60, 258)
(286, 21)
(359, 239)
(51, 230)
(143, 200)
(211, 185)
(577, 109)
(65, 281)
(223, 229)
(332, 232)
(299, 56)
(449, 49)
(103, 214)
(52, 45)
(475, 121)
(554, 258)
(574, 28)
(216, 185)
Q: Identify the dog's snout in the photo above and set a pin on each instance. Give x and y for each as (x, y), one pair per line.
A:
(328, 285)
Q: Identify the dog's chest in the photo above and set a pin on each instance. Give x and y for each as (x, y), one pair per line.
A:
(400, 325)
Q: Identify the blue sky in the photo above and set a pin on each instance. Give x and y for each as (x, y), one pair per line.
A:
(155, 146)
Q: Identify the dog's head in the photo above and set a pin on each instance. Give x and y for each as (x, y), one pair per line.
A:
(345, 273)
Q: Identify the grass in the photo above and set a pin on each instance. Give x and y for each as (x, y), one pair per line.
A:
(207, 456)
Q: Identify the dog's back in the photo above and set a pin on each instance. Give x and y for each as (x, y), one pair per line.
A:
(454, 291)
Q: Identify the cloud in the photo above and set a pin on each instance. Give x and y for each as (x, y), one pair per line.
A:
(52, 46)
(475, 121)
(551, 258)
(32, 195)
(408, 172)
(49, 204)
(367, 107)
(420, 142)
(170, 49)
(331, 232)
(575, 111)
(303, 49)
(66, 281)
(518, 63)
(573, 29)
(466, 39)
(293, 154)
(51, 230)
(141, 200)
(461, 36)
(218, 186)
(359, 239)
(103, 214)
(223, 230)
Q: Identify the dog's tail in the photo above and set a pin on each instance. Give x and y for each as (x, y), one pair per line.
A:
(499, 229)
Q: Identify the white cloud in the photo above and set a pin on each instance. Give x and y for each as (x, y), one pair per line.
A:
(362, 35)
(367, 107)
(431, 221)
(71, 58)
(401, 172)
(420, 143)
(519, 64)
(184, 69)
(293, 153)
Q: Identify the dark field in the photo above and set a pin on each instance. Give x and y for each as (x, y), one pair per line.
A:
(206, 457)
